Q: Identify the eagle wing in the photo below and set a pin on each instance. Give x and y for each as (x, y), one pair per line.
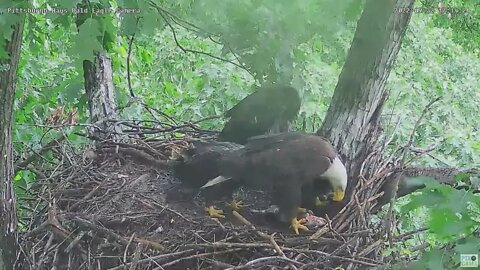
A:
(270, 107)
(287, 164)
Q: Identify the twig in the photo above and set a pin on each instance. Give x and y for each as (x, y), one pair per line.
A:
(371, 247)
(127, 247)
(417, 123)
(401, 237)
(263, 261)
(154, 258)
(74, 242)
(45, 251)
(56, 258)
(289, 249)
(136, 256)
(196, 256)
(321, 231)
(86, 197)
(280, 252)
(270, 238)
(276, 247)
(39, 153)
(164, 207)
(420, 247)
(388, 217)
(252, 227)
(172, 29)
(129, 82)
(142, 157)
(425, 150)
(115, 236)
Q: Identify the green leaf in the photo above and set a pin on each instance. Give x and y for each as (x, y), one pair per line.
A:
(150, 22)
(426, 198)
(431, 260)
(70, 4)
(86, 41)
(446, 224)
(462, 177)
(73, 90)
(469, 245)
(128, 24)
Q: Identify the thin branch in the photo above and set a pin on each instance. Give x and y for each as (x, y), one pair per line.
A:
(162, 13)
(129, 82)
(388, 217)
(257, 263)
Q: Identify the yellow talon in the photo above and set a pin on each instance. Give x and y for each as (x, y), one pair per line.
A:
(236, 205)
(297, 225)
(213, 212)
(319, 203)
(301, 210)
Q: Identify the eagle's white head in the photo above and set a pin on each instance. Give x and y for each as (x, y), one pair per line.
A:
(337, 177)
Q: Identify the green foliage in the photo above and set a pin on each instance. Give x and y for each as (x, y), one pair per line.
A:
(304, 42)
(174, 81)
(86, 41)
(462, 16)
(451, 217)
(430, 64)
(7, 20)
(265, 33)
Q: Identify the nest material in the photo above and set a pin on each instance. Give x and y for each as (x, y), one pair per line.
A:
(121, 208)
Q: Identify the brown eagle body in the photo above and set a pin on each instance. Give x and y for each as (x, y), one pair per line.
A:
(288, 164)
(200, 163)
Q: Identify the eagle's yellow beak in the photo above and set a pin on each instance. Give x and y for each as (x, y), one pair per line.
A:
(338, 195)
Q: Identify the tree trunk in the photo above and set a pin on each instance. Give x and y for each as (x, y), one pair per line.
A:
(8, 213)
(98, 76)
(352, 120)
(101, 95)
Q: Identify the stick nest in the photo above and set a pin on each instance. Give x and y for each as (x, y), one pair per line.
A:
(119, 207)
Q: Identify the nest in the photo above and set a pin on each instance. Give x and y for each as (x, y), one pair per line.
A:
(119, 207)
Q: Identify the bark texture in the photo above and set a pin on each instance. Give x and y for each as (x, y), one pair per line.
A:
(444, 175)
(8, 213)
(352, 120)
(101, 95)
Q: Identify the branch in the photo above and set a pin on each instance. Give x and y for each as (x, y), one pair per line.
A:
(35, 155)
(162, 13)
(397, 176)
(129, 82)
(425, 150)
(258, 263)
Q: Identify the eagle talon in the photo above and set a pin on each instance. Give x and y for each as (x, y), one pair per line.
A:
(302, 210)
(214, 212)
(298, 225)
(236, 205)
(320, 203)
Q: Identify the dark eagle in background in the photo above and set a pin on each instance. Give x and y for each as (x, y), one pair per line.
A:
(270, 109)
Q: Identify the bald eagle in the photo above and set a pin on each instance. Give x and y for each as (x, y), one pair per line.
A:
(199, 163)
(285, 164)
(270, 109)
